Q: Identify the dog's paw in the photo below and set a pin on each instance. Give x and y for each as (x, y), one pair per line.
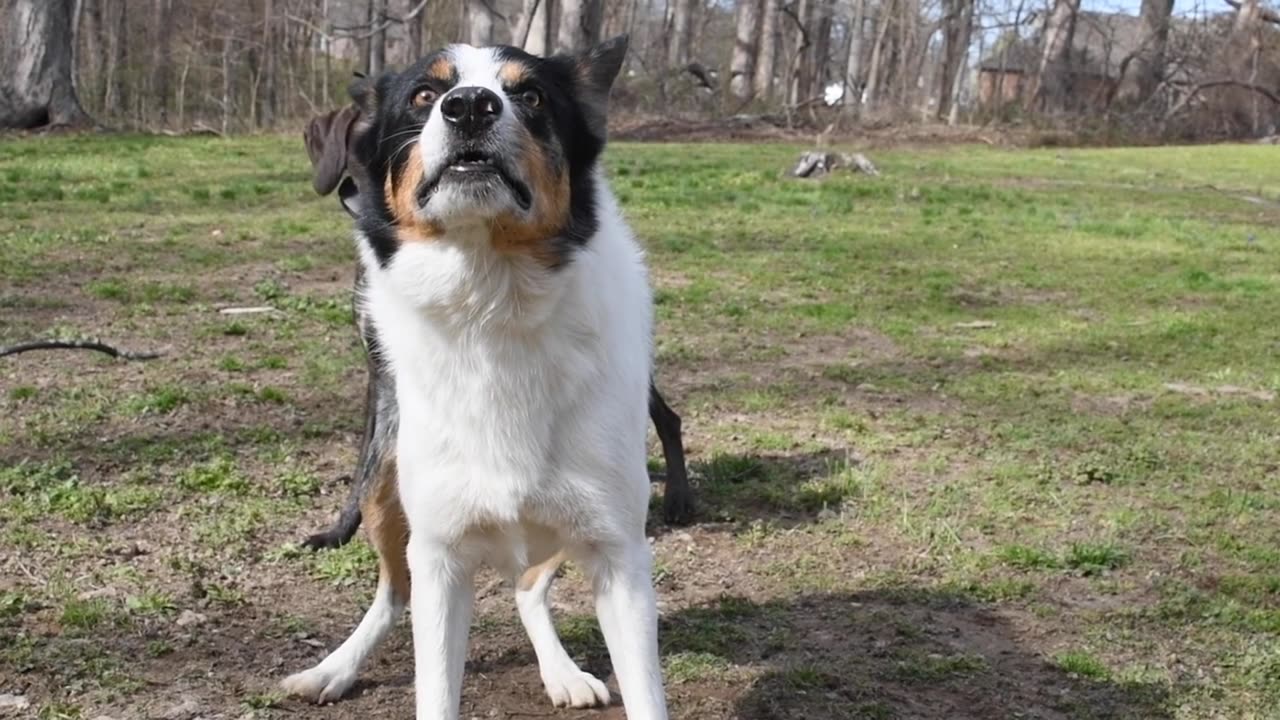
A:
(319, 684)
(571, 687)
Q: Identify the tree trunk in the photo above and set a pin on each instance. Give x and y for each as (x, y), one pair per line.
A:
(1051, 83)
(580, 22)
(163, 57)
(853, 64)
(479, 23)
(877, 52)
(36, 87)
(820, 53)
(962, 65)
(767, 60)
(533, 32)
(798, 73)
(94, 32)
(377, 43)
(416, 46)
(267, 114)
(1147, 64)
(681, 29)
(114, 101)
(745, 48)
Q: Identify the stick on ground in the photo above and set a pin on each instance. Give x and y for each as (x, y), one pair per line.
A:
(77, 345)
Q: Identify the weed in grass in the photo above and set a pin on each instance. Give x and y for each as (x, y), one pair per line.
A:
(1091, 558)
(580, 633)
(347, 564)
(1083, 664)
(86, 614)
(262, 701)
(157, 401)
(150, 603)
(1023, 557)
(12, 604)
(808, 678)
(269, 289)
(60, 711)
(274, 395)
(687, 667)
(218, 475)
(934, 667)
(159, 648)
(22, 392)
(298, 483)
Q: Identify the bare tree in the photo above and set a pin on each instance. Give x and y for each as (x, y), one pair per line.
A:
(767, 59)
(957, 31)
(961, 70)
(1052, 76)
(875, 70)
(162, 58)
(534, 29)
(1146, 67)
(853, 61)
(746, 46)
(378, 42)
(580, 22)
(479, 22)
(681, 29)
(36, 84)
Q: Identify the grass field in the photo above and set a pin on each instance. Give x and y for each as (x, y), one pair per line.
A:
(993, 436)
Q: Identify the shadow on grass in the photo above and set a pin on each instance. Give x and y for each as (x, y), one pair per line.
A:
(787, 489)
(895, 653)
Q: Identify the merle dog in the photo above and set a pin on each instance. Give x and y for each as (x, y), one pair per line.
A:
(328, 140)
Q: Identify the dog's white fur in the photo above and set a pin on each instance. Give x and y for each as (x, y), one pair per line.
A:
(523, 412)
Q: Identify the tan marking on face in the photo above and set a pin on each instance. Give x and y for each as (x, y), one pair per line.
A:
(531, 233)
(513, 73)
(441, 69)
(388, 530)
(530, 577)
(401, 192)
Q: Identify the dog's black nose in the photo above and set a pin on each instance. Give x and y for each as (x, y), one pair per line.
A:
(471, 110)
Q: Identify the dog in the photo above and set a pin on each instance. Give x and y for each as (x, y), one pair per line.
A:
(328, 140)
(512, 307)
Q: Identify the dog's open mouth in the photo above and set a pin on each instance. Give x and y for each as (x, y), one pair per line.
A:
(475, 166)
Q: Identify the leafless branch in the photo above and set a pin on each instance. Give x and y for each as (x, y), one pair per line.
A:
(1195, 91)
(1264, 13)
(349, 31)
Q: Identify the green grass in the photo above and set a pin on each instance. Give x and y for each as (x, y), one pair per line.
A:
(994, 399)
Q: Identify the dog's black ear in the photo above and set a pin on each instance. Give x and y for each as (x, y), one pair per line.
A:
(349, 196)
(597, 68)
(328, 138)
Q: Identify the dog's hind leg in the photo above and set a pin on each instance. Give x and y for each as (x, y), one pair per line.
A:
(566, 684)
(677, 501)
(389, 532)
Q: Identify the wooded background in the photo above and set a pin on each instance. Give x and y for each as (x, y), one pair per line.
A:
(244, 65)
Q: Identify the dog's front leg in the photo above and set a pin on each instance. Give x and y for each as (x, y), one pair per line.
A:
(627, 608)
(442, 595)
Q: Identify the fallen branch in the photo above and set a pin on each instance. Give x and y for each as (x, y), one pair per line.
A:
(77, 345)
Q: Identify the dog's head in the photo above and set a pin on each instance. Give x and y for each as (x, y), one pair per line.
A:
(490, 138)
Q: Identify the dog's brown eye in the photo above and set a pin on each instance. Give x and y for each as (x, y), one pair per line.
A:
(424, 98)
(532, 98)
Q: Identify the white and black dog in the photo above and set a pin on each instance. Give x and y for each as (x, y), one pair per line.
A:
(512, 305)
